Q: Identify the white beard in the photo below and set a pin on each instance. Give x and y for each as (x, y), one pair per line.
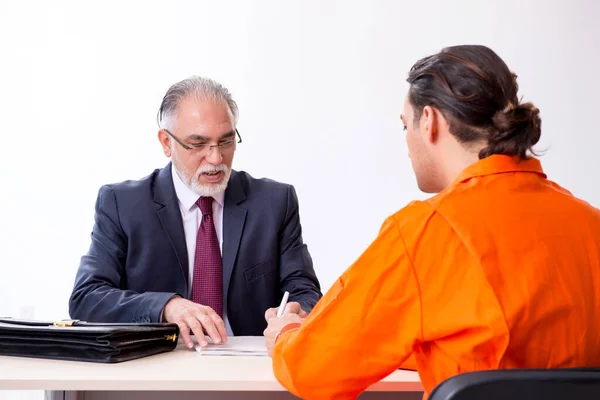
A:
(204, 190)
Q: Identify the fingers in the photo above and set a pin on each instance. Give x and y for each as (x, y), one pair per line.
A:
(220, 326)
(200, 319)
(270, 313)
(208, 324)
(196, 328)
(269, 334)
(185, 335)
(290, 308)
(293, 308)
(275, 326)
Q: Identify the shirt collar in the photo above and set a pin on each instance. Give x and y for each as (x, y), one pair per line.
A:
(186, 196)
(499, 164)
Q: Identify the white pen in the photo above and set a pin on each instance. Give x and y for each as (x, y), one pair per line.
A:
(286, 295)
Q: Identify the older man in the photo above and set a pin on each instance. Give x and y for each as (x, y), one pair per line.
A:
(195, 243)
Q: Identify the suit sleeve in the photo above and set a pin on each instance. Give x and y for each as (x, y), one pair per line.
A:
(99, 292)
(365, 326)
(297, 274)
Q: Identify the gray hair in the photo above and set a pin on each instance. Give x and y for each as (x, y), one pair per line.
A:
(201, 88)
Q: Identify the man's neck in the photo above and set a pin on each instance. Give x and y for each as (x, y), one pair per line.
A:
(457, 160)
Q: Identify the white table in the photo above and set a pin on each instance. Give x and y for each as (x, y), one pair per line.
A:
(181, 370)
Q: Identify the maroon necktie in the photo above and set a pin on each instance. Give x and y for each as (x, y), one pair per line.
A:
(207, 284)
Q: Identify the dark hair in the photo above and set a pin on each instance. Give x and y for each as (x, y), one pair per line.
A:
(477, 93)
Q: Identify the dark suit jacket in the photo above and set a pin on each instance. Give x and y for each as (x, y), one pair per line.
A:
(138, 260)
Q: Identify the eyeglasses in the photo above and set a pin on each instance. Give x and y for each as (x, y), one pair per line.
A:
(206, 149)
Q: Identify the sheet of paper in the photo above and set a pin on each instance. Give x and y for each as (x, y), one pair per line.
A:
(235, 346)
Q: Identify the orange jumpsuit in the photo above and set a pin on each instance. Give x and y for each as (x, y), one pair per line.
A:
(500, 270)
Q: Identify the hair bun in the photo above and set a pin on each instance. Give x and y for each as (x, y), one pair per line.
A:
(516, 129)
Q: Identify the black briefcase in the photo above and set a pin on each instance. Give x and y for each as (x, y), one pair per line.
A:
(85, 341)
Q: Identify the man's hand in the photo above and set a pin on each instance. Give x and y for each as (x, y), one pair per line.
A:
(290, 308)
(276, 325)
(189, 315)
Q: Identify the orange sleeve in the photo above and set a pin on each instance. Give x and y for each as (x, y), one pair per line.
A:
(409, 363)
(364, 327)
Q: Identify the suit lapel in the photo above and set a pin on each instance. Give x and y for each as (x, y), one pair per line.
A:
(234, 218)
(170, 217)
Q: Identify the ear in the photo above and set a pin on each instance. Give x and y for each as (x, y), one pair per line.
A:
(429, 122)
(165, 142)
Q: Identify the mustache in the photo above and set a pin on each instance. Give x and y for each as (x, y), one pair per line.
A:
(212, 168)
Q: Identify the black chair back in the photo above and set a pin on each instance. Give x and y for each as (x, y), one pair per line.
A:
(521, 384)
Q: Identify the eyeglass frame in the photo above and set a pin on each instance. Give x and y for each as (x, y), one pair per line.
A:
(210, 146)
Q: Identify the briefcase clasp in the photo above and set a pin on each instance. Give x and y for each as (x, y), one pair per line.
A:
(171, 337)
(66, 322)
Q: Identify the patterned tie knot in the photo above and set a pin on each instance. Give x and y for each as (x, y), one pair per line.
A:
(205, 204)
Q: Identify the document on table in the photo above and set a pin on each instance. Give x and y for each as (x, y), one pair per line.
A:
(235, 346)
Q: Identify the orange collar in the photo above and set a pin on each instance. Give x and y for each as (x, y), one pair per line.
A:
(498, 164)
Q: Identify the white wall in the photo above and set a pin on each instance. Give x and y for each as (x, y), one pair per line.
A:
(320, 86)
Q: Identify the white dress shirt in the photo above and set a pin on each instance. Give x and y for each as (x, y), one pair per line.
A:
(191, 217)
